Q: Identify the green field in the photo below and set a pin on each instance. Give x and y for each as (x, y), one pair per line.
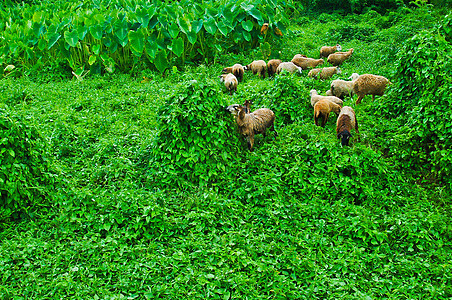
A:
(135, 183)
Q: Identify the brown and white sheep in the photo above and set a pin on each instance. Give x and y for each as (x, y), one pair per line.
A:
(272, 66)
(346, 121)
(369, 84)
(237, 70)
(324, 73)
(257, 67)
(289, 67)
(322, 109)
(327, 50)
(306, 62)
(341, 88)
(336, 59)
(253, 123)
(230, 82)
(315, 97)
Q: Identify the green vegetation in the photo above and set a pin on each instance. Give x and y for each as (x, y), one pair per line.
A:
(135, 184)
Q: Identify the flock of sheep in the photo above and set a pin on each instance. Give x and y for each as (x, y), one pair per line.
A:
(257, 122)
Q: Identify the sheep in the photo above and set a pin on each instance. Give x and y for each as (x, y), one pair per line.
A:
(329, 93)
(326, 50)
(230, 82)
(306, 62)
(315, 97)
(324, 73)
(257, 66)
(272, 66)
(253, 123)
(336, 59)
(346, 121)
(323, 108)
(237, 70)
(341, 88)
(289, 67)
(368, 84)
(233, 108)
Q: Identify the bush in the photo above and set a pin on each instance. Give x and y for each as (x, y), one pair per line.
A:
(24, 170)
(196, 141)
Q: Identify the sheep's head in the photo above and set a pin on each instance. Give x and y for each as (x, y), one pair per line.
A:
(225, 70)
(233, 109)
(338, 47)
(345, 137)
(222, 77)
(354, 76)
(313, 92)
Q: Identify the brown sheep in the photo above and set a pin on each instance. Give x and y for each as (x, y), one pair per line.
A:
(326, 50)
(315, 97)
(257, 66)
(289, 67)
(324, 73)
(346, 121)
(237, 70)
(336, 59)
(254, 123)
(272, 66)
(230, 82)
(368, 84)
(322, 109)
(306, 62)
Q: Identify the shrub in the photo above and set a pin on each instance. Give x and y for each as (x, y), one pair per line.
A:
(24, 170)
(196, 141)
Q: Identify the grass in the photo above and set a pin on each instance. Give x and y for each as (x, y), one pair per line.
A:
(285, 228)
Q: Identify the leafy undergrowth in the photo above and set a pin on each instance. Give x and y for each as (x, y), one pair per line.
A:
(298, 218)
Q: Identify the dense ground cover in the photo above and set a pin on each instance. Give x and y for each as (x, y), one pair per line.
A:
(152, 193)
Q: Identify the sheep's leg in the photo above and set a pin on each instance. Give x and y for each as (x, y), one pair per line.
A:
(356, 125)
(325, 118)
(360, 97)
(250, 142)
(373, 98)
(272, 128)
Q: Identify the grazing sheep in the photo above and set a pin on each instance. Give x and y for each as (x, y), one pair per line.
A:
(230, 82)
(237, 70)
(324, 73)
(306, 62)
(329, 93)
(272, 66)
(233, 108)
(336, 59)
(289, 67)
(315, 97)
(341, 88)
(368, 84)
(346, 121)
(322, 109)
(253, 123)
(326, 50)
(257, 66)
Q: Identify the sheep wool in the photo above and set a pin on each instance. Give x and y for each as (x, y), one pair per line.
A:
(289, 67)
(336, 59)
(324, 73)
(230, 82)
(306, 62)
(237, 70)
(369, 84)
(322, 109)
(272, 66)
(327, 50)
(254, 123)
(257, 67)
(341, 88)
(346, 121)
(315, 97)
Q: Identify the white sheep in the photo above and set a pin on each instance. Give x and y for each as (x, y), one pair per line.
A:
(289, 67)
(341, 88)
(230, 82)
(315, 97)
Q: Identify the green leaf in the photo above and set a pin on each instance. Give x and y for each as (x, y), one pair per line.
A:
(196, 26)
(136, 39)
(143, 17)
(42, 44)
(161, 61)
(192, 37)
(37, 16)
(120, 31)
(173, 30)
(282, 27)
(151, 47)
(92, 59)
(223, 28)
(153, 22)
(211, 26)
(96, 31)
(96, 49)
(81, 32)
(255, 13)
(247, 36)
(53, 39)
(184, 24)
(178, 46)
(71, 37)
(248, 25)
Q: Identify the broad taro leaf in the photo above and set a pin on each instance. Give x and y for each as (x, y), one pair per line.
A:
(53, 38)
(246, 7)
(248, 25)
(96, 49)
(42, 44)
(151, 12)
(228, 14)
(136, 39)
(143, 17)
(37, 16)
(282, 27)
(177, 46)
(210, 26)
(71, 37)
(173, 30)
(161, 61)
(38, 29)
(247, 35)
(121, 30)
(255, 13)
(223, 28)
(151, 47)
(270, 14)
(184, 24)
(153, 22)
(81, 32)
(197, 25)
(171, 12)
(96, 31)
(192, 37)
(92, 59)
